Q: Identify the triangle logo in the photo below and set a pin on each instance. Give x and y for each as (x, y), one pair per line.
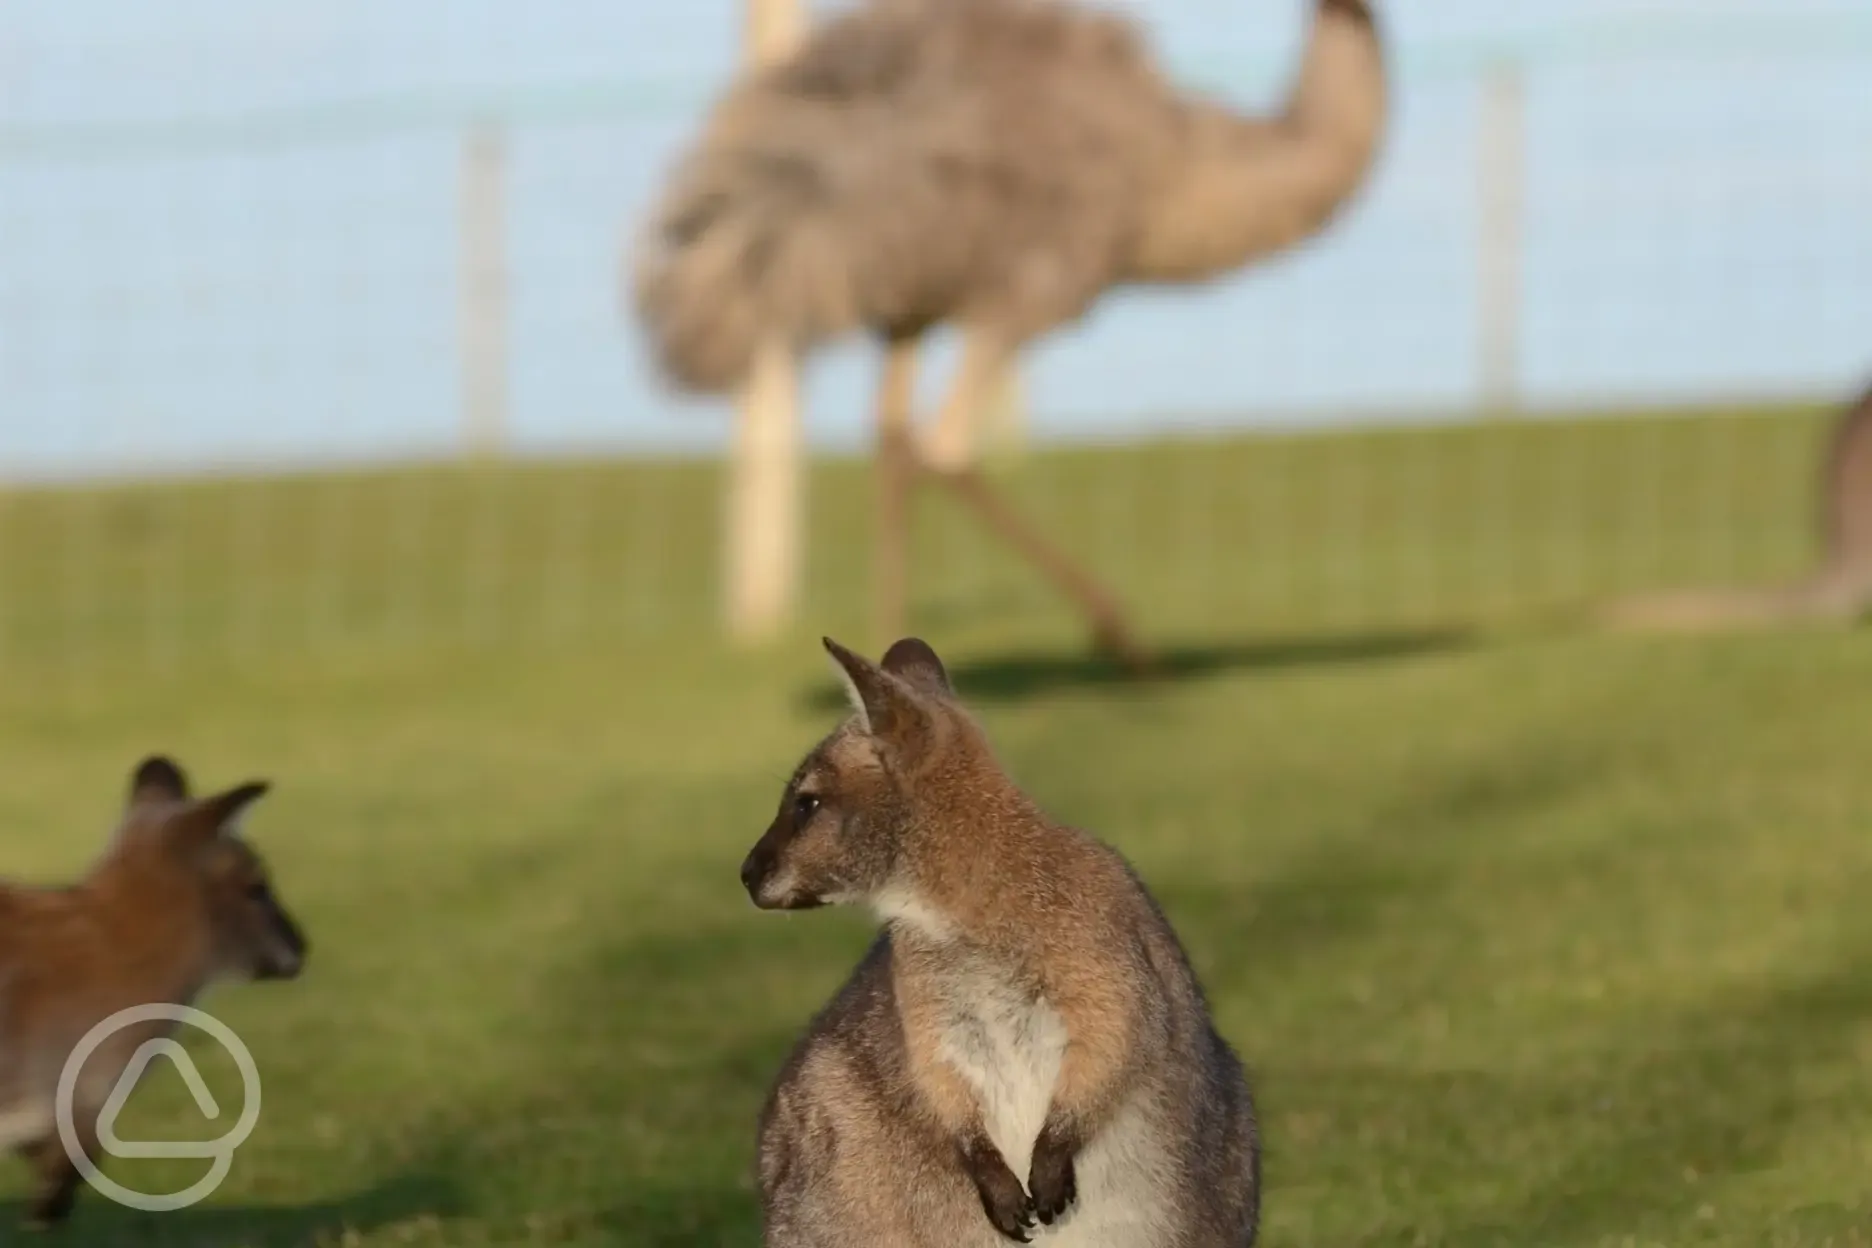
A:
(127, 1084)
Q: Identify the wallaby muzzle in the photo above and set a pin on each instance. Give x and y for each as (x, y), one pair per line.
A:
(285, 953)
(760, 870)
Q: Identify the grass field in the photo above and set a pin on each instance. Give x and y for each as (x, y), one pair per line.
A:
(1530, 937)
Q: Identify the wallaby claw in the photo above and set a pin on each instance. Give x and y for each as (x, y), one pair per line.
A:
(1053, 1207)
(1053, 1179)
(1016, 1224)
(1010, 1210)
(1016, 1221)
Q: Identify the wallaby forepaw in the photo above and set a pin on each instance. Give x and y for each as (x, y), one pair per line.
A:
(1054, 1181)
(1003, 1198)
(48, 1216)
(1017, 1225)
(1009, 1209)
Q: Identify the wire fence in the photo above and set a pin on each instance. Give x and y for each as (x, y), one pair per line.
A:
(313, 376)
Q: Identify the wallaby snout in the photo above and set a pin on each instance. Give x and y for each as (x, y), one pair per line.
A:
(771, 882)
(758, 870)
(283, 956)
(837, 835)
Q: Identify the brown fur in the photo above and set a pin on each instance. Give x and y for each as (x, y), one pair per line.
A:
(1840, 589)
(998, 922)
(996, 162)
(176, 903)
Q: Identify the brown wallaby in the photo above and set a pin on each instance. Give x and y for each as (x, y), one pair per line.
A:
(1841, 589)
(1025, 1050)
(177, 902)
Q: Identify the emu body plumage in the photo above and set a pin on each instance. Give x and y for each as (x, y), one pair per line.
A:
(1002, 161)
(996, 165)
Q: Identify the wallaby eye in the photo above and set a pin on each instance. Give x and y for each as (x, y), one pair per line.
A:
(258, 891)
(805, 805)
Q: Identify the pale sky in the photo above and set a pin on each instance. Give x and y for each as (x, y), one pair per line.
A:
(1698, 188)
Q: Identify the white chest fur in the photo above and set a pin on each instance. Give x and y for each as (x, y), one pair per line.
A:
(1007, 1045)
(24, 1124)
(1009, 1048)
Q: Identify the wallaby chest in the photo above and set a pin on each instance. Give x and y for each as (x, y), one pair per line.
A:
(1001, 1036)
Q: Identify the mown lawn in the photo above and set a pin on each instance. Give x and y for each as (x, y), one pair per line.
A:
(1531, 937)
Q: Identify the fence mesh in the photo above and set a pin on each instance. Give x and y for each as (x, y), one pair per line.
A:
(235, 395)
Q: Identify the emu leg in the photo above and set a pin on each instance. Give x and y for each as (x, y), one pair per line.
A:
(953, 441)
(1110, 632)
(895, 471)
(950, 456)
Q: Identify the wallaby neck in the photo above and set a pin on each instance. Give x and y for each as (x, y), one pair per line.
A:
(152, 924)
(986, 880)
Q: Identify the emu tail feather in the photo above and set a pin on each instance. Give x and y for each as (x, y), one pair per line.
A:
(745, 244)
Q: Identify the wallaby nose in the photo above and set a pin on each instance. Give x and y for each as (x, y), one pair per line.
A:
(289, 957)
(753, 869)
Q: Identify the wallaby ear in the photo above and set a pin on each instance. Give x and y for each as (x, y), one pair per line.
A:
(888, 707)
(210, 819)
(157, 779)
(221, 814)
(912, 661)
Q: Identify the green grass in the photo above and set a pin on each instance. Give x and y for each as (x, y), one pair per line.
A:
(1531, 939)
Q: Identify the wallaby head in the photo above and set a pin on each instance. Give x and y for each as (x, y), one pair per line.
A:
(851, 808)
(174, 849)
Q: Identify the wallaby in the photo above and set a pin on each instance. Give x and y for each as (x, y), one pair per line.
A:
(1026, 1013)
(1841, 589)
(177, 902)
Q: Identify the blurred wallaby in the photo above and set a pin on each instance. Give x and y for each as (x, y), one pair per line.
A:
(177, 902)
(1025, 1050)
(1841, 589)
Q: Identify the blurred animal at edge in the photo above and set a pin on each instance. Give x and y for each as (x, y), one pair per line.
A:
(1840, 589)
(1024, 1046)
(177, 902)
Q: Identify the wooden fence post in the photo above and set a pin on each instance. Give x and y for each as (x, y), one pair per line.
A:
(765, 518)
(483, 291)
(1501, 175)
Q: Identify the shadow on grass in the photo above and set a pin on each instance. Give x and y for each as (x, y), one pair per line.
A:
(1637, 1137)
(1637, 1142)
(631, 1121)
(1365, 883)
(683, 1217)
(98, 1223)
(1719, 1096)
(1022, 675)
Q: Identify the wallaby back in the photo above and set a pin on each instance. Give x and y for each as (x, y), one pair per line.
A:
(1847, 519)
(1839, 589)
(177, 902)
(1025, 1045)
